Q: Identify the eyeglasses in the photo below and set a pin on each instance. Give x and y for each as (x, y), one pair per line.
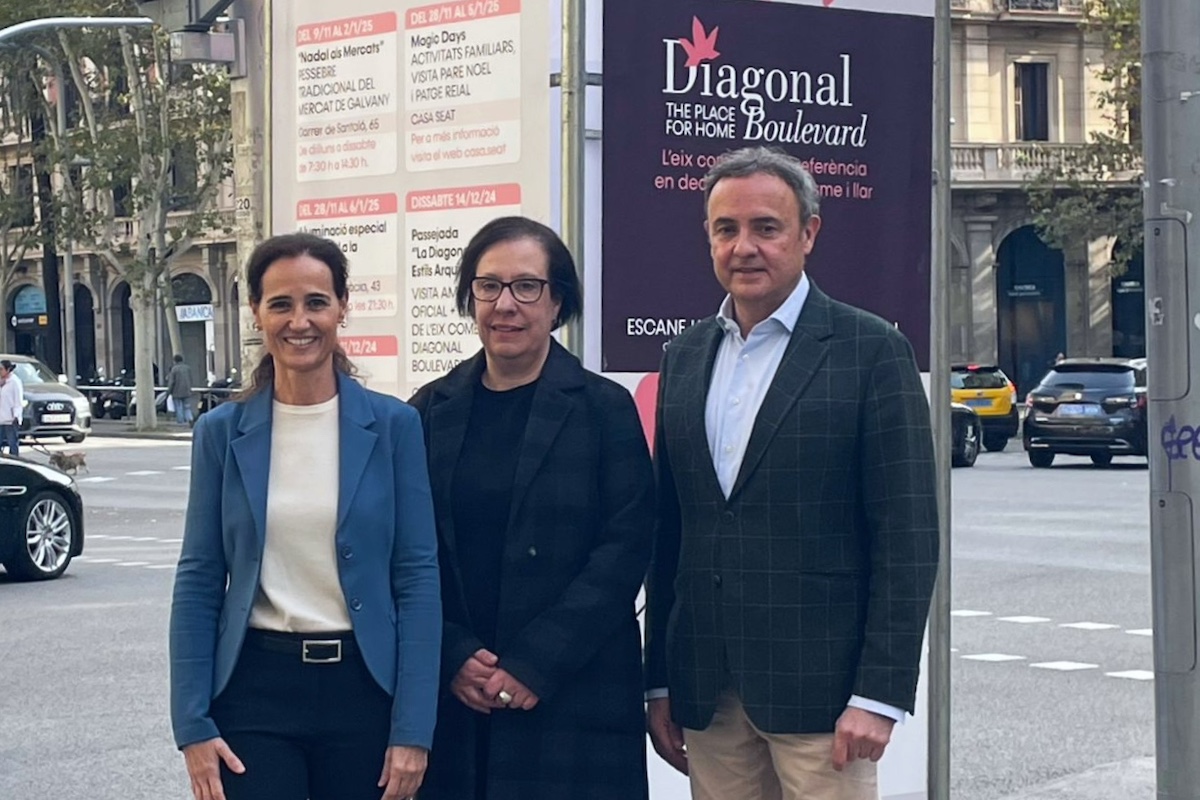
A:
(524, 290)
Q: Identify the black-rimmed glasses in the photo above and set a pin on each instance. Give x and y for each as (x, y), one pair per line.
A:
(524, 290)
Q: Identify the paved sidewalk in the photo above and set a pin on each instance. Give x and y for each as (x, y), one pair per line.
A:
(126, 429)
(1123, 780)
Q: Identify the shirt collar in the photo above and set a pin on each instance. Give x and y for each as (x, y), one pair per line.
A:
(786, 315)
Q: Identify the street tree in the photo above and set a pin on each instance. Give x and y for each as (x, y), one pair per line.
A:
(154, 143)
(1095, 191)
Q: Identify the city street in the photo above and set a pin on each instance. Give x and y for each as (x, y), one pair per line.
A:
(1052, 693)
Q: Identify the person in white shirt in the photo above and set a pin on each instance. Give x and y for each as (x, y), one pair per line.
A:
(12, 398)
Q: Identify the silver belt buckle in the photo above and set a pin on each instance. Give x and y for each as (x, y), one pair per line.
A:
(333, 659)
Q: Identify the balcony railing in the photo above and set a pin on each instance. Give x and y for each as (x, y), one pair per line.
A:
(1000, 164)
(1047, 8)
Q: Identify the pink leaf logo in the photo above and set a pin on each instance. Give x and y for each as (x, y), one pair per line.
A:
(828, 3)
(702, 47)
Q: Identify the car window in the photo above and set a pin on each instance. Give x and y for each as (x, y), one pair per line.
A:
(1107, 379)
(30, 372)
(993, 379)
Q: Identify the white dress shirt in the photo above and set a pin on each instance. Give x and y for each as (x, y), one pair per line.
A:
(12, 397)
(742, 373)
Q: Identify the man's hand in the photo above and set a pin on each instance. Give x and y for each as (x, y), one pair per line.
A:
(472, 676)
(403, 771)
(203, 761)
(860, 734)
(665, 735)
(522, 697)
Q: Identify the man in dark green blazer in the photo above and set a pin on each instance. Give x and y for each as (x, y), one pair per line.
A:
(796, 547)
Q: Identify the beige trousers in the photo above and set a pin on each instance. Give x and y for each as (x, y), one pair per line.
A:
(733, 760)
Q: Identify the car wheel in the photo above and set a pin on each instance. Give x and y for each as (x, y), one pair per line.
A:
(1102, 459)
(969, 452)
(76, 438)
(47, 532)
(1041, 458)
(994, 444)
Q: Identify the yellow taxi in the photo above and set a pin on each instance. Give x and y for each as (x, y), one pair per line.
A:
(990, 394)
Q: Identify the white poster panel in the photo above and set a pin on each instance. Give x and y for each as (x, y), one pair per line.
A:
(399, 129)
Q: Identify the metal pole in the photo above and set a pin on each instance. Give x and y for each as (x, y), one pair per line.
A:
(573, 84)
(250, 98)
(938, 773)
(1171, 138)
(68, 304)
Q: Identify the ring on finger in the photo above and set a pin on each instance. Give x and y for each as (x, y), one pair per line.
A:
(504, 697)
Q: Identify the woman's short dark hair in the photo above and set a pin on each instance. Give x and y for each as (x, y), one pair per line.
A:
(564, 281)
(294, 245)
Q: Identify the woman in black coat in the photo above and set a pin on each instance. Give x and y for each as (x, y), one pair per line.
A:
(543, 490)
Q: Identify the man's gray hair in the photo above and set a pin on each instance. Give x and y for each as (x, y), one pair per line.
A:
(764, 160)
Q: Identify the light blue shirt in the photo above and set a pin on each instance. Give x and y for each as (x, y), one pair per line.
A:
(742, 373)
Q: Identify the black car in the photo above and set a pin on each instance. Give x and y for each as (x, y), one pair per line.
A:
(1087, 407)
(966, 433)
(41, 519)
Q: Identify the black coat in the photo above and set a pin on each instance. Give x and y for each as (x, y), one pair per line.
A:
(812, 581)
(576, 551)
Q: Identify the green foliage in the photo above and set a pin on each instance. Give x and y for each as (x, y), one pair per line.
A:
(1094, 191)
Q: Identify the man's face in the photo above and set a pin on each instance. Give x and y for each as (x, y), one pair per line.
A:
(758, 244)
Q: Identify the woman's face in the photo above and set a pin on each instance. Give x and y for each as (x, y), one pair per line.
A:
(508, 328)
(299, 314)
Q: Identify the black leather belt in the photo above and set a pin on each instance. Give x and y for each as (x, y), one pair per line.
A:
(310, 648)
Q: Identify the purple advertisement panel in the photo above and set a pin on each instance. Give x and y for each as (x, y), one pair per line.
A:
(848, 92)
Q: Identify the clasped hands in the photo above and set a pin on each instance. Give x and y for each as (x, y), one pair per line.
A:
(483, 686)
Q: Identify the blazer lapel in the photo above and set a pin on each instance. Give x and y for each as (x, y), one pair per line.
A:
(551, 406)
(356, 441)
(805, 353)
(695, 378)
(449, 414)
(252, 451)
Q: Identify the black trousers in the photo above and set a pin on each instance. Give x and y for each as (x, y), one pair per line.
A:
(304, 731)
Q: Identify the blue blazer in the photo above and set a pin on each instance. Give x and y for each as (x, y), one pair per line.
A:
(386, 544)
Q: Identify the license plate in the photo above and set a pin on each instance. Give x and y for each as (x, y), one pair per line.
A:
(1079, 410)
(55, 419)
(979, 402)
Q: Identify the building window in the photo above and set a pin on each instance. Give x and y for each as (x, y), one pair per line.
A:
(20, 183)
(1032, 100)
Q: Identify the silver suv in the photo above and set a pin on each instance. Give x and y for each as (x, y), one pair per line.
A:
(52, 408)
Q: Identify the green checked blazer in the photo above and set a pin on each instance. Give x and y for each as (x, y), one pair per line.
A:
(812, 582)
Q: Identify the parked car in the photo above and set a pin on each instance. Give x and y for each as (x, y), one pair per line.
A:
(989, 392)
(52, 407)
(966, 434)
(1087, 407)
(41, 519)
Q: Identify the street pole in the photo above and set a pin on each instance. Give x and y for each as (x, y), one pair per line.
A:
(251, 101)
(573, 85)
(1171, 138)
(938, 769)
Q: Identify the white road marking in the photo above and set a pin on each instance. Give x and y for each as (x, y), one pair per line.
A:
(120, 538)
(994, 657)
(1141, 632)
(161, 566)
(966, 612)
(1133, 675)
(131, 563)
(170, 541)
(1024, 620)
(182, 469)
(1064, 666)
(104, 560)
(95, 480)
(141, 472)
(1089, 626)
(143, 538)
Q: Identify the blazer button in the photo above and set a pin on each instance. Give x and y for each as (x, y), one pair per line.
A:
(729, 516)
(717, 580)
(356, 604)
(347, 552)
(533, 552)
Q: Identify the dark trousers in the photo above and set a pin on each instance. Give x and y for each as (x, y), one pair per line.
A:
(10, 438)
(303, 731)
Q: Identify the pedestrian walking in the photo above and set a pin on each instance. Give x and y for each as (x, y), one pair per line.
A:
(12, 403)
(797, 531)
(306, 621)
(544, 494)
(179, 389)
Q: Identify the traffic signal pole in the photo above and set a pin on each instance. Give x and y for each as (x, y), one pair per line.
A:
(1171, 135)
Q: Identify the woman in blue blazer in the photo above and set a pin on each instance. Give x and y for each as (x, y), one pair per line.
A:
(306, 621)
